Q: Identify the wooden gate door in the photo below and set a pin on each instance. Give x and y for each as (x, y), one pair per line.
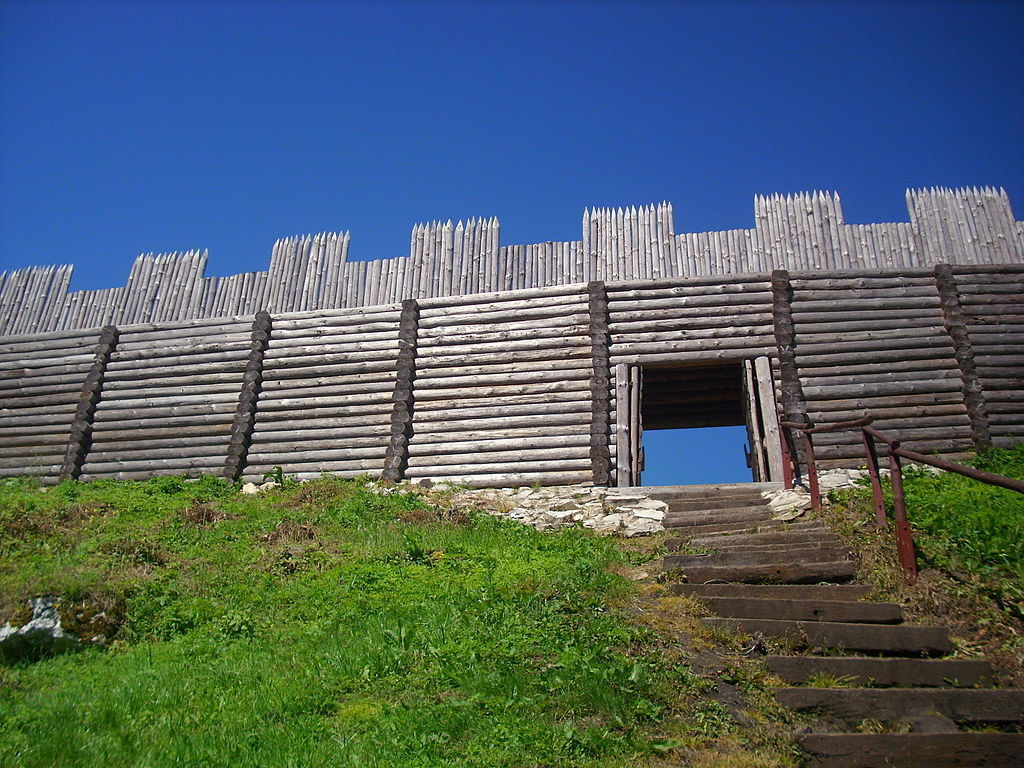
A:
(762, 420)
(629, 451)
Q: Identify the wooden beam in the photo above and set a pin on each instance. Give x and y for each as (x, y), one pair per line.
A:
(248, 397)
(600, 383)
(396, 457)
(81, 428)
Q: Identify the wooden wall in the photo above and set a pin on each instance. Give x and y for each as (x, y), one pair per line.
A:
(795, 232)
(169, 396)
(502, 389)
(326, 397)
(41, 381)
(512, 387)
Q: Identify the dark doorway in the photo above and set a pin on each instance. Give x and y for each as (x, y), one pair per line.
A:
(697, 414)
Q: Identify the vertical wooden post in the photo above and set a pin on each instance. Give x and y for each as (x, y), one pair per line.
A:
(769, 419)
(80, 439)
(622, 459)
(871, 457)
(904, 538)
(636, 448)
(793, 404)
(248, 397)
(755, 459)
(953, 318)
(396, 458)
(600, 384)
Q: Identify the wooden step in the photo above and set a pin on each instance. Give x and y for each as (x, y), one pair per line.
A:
(780, 536)
(962, 705)
(899, 640)
(708, 529)
(805, 610)
(913, 750)
(775, 555)
(795, 573)
(714, 502)
(821, 540)
(717, 517)
(884, 672)
(834, 592)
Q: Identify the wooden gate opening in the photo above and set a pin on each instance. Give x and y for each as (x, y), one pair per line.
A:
(714, 422)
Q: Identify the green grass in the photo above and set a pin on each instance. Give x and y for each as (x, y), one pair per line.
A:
(322, 624)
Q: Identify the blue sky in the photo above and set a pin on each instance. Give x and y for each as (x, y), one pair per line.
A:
(154, 126)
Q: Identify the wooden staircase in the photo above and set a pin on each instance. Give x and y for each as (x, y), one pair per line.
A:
(786, 581)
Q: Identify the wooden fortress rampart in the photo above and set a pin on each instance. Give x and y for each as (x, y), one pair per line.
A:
(498, 365)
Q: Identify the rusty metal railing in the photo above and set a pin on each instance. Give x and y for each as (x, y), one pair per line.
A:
(896, 452)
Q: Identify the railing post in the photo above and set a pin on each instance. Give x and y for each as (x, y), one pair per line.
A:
(812, 471)
(871, 457)
(787, 458)
(904, 538)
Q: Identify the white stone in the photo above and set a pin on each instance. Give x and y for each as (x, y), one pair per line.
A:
(250, 489)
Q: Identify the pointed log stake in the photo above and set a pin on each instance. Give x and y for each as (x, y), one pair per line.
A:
(396, 458)
(81, 428)
(245, 413)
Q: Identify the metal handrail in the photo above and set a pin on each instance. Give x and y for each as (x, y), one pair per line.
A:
(904, 537)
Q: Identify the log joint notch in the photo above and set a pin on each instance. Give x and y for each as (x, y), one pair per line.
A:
(794, 404)
(956, 327)
(396, 458)
(80, 439)
(248, 398)
(600, 384)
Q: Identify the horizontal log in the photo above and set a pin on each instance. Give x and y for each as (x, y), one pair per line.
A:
(351, 385)
(180, 361)
(701, 356)
(883, 389)
(346, 334)
(687, 334)
(680, 314)
(498, 469)
(503, 393)
(432, 406)
(555, 314)
(274, 403)
(888, 401)
(570, 351)
(161, 389)
(988, 269)
(873, 336)
(44, 414)
(856, 296)
(923, 367)
(375, 348)
(470, 379)
(616, 286)
(153, 465)
(738, 342)
(277, 360)
(48, 358)
(528, 424)
(130, 343)
(538, 445)
(516, 480)
(808, 361)
(43, 468)
(13, 442)
(762, 298)
(170, 413)
(686, 289)
(326, 451)
(521, 294)
(273, 371)
(114, 442)
(336, 436)
(863, 282)
(927, 415)
(163, 398)
(351, 414)
(513, 368)
(867, 305)
(299, 464)
(694, 322)
(488, 410)
(949, 431)
(826, 327)
(468, 440)
(880, 378)
(882, 343)
(508, 348)
(46, 373)
(455, 337)
(185, 450)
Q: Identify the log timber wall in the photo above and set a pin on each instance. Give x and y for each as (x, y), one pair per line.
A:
(516, 385)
